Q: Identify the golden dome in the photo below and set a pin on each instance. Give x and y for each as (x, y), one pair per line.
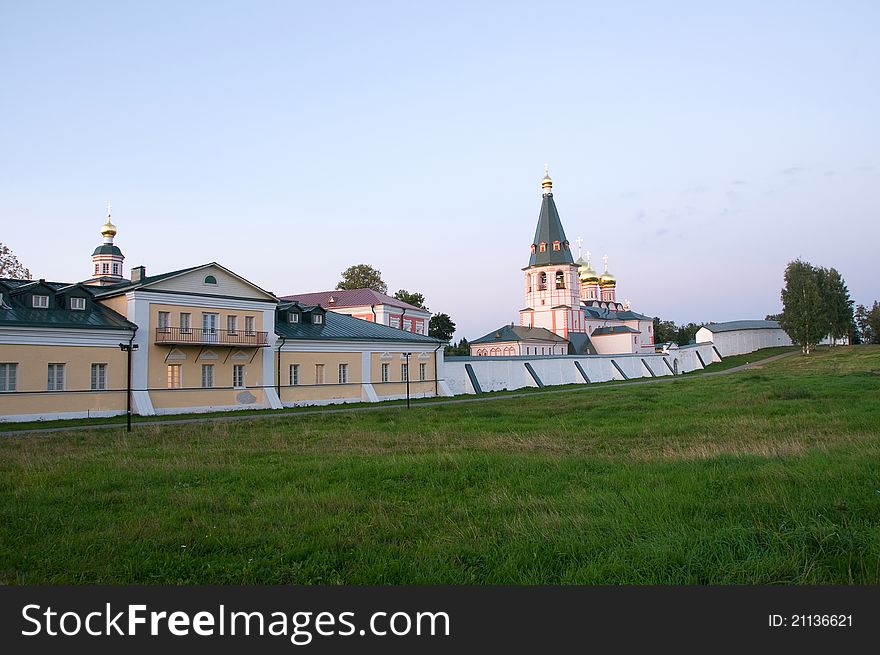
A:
(546, 182)
(108, 229)
(588, 274)
(607, 279)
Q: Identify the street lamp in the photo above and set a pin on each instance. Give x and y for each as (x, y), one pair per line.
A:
(407, 378)
(128, 348)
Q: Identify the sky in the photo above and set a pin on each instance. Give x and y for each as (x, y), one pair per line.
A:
(701, 146)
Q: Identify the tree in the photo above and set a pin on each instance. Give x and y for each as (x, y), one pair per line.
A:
(415, 298)
(863, 325)
(874, 322)
(362, 276)
(773, 317)
(463, 348)
(10, 266)
(838, 305)
(441, 327)
(804, 317)
(664, 331)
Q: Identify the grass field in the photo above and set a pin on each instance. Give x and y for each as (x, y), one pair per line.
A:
(762, 476)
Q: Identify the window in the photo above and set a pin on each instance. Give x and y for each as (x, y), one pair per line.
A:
(99, 377)
(8, 375)
(293, 317)
(319, 374)
(56, 377)
(423, 371)
(231, 323)
(96, 269)
(40, 302)
(317, 319)
(115, 269)
(557, 245)
(164, 323)
(207, 376)
(404, 372)
(343, 374)
(238, 376)
(294, 375)
(210, 279)
(542, 285)
(78, 303)
(185, 323)
(384, 372)
(560, 280)
(105, 268)
(174, 376)
(543, 247)
(533, 250)
(249, 325)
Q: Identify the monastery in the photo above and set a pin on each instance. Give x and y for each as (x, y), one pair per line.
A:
(199, 339)
(570, 309)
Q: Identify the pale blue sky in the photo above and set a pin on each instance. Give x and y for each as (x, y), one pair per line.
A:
(700, 146)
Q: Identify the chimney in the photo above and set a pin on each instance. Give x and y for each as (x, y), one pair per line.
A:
(138, 273)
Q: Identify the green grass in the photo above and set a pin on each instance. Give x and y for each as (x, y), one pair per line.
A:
(762, 476)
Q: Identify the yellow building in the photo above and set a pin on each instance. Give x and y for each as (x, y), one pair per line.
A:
(201, 339)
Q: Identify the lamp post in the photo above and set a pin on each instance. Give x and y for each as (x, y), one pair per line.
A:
(407, 378)
(128, 348)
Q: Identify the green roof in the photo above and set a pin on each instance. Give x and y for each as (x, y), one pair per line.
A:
(341, 327)
(519, 333)
(614, 329)
(549, 230)
(107, 249)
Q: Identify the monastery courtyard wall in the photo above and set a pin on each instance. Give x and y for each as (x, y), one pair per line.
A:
(465, 374)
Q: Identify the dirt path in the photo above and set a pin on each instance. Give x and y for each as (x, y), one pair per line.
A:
(339, 410)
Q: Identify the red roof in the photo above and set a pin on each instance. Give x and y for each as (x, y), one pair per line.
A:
(350, 298)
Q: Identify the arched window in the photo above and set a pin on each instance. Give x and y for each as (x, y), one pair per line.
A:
(557, 245)
(542, 286)
(560, 280)
(543, 247)
(210, 279)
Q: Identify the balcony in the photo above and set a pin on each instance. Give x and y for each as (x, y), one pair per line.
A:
(210, 337)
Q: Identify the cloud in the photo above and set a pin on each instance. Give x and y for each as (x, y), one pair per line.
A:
(738, 183)
(830, 173)
(640, 216)
(697, 189)
(792, 170)
(661, 232)
(630, 195)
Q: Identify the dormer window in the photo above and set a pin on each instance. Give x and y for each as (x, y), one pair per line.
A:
(210, 279)
(293, 317)
(533, 252)
(317, 319)
(543, 247)
(78, 304)
(557, 245)
(40, 302)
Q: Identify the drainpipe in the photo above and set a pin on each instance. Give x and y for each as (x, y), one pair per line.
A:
(278, 370)
(436, 372)
(402, 314)
(373, 309)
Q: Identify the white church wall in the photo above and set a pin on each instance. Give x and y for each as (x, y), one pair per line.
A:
(509, 373)
(740, 342)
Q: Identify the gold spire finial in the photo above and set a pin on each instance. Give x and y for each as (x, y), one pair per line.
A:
(547, 183)
(108, 229)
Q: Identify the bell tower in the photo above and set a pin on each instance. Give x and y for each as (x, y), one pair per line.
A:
(552, 285)
(107, 258)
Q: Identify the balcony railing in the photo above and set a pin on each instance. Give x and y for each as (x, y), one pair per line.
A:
(208, 336)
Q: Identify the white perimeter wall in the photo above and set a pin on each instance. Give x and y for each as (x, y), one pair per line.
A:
(499, 373)
(739, 342)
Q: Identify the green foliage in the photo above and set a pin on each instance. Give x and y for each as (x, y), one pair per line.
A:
(665, 331)
(441, 327)
(462, 348)
(763, 478)
(413, 298)
(867, 322)
(815, 304)
(10, 267)
(362, 276)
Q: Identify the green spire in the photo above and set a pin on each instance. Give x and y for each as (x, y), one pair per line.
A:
(549, 231)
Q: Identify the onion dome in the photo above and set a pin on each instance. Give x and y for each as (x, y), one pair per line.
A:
(588, 274)
(108, 229)
(607, 279)
(546, 182)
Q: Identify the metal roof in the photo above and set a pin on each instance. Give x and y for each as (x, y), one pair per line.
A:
(341, 327)
(730, 326)
(519, 333)
(614, 329)
(350, 298)
(549, 230)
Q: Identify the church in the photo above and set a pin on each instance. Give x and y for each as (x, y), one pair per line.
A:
(570, 308)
